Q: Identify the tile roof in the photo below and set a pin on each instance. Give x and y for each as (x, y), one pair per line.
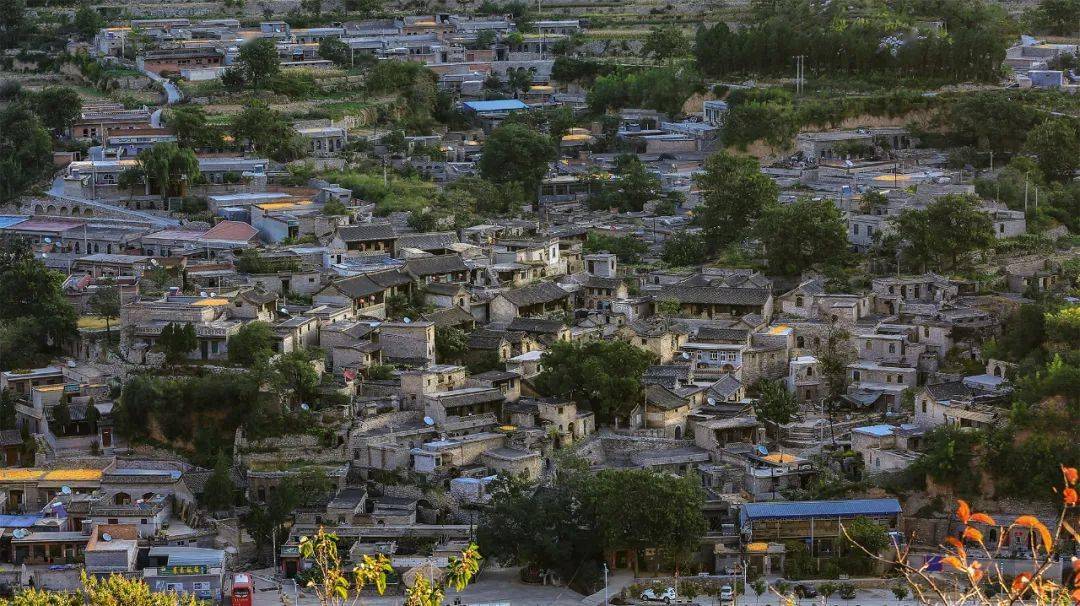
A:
(367, 232)
(434, 265)
(452, 316)
(537, 325)
(486, 339)
(370, 284)
(949, 390)
(231, 231)
(541, 292)
(720, 333)
(720, 295)
(436, 240)
(662, 397)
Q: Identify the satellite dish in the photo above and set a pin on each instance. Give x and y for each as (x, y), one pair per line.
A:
(202, 293)
(284, 311)
(213, 294)
(685, 356)
(153, 262)
(762, 450)
(106, 537)
(712, 401)
(304, 406)
(65, 490)
(48, 240)
(406, 319)
(20, 533)
(429, 421)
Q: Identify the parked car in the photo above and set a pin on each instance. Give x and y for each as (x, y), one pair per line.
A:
(666, 596)
(804, 590)
(727, 594)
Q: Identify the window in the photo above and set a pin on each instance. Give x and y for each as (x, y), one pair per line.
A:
(855, 229)
(800, 342)
(142, 521)
(924, 406)
(114, 521)
(892, 347)
(869, 345)
(799, 301)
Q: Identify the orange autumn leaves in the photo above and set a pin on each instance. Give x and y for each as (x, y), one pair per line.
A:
(1025, 582)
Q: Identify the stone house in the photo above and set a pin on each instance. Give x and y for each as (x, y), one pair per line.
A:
(718, 302)
(658, 335)
(535, 300)
(408, 342)
(666, 411)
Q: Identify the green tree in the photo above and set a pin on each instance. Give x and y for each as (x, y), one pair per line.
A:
(775, 403)
(634, 184)
(1024, 333)
(259, 60)
(656, 511)
(267, 131)
(35, 316)
(177, 341)
(682, 250)
(950, 227)
(799, 235)
(12, 22)
(734, 193)
(1056, 147)
(219, 492)
(333, 49)
(252, 344)
(515, 154)
(105, 302)
(294, 379)
(990, 121)
(543, 526)
(627, 249)
(57, 106)
(189, 124)
(451, 343)
(519, 79)
(131, 178)
(88, 22)
(665, 44)
(168, 167)
(25, 151)
(864, 534)
(602, 376)
(61, 417)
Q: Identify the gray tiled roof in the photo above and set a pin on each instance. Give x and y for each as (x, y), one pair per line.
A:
(537, 325)
(708, 295)
(435, 265)
(367, 232)
(427, 241)
(541, 292)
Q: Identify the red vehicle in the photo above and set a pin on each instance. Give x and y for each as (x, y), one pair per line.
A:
(242, 588)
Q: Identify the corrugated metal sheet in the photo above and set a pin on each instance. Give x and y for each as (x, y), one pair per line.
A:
(819, 509)
(189, 556)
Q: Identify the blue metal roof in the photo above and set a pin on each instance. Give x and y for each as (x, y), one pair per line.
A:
(499, 105)
(18, 521)
(779, 510)
(879, 431)
(9, 220)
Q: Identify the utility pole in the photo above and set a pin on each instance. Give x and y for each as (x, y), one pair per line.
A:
(605, 585)
(799, 71)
